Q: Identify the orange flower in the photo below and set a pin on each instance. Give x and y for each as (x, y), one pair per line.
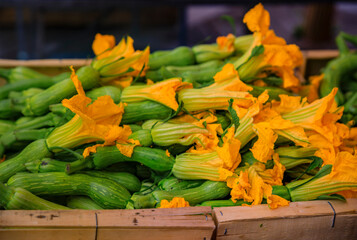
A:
(257, 19)
(255, 182)
(216, 96)
(163, 92)
(122, 61)
(226, 43)
(176, 202)
(98, 121)
(102, 45)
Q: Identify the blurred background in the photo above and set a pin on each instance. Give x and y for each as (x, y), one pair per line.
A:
(37, 29)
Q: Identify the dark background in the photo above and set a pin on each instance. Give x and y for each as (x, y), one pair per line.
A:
(36, 29)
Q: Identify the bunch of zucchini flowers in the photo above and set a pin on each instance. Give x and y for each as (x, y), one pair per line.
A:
(213, 125)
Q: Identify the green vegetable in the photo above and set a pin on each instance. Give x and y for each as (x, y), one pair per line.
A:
(128, 180)
(173, 183)
(113, 92)
(13, 198)
(82, 202)
(35, 150)
(39, 104)
(144, 137)
(43, 82)
(154, 158)
(209, 190)
(145, 110)
(223, 203)
(20, 73)
(181, 56)
(106, 193)
(52, 165)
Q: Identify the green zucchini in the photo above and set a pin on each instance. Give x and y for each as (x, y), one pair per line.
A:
(35, 150)
(39, 103)
(209, 190)
(18, 198)
(43, 82)
(155, 159)
(82, 202)
(173, 183)
(144, 137)
(145, 110)
(224, 203)
(128, 180)
(180, 56)
(20, 73)
(106, 193)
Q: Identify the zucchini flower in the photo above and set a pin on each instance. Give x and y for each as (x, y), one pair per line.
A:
(214, 165)
(223, 48)
(255, 182)
(304, 124)
(98, 121)
(216, 96)
(245, 131)
(102, 45)
(162, 92)
(277, 57)
(198, 129)
(121, 61)
(330, 179)
(176, 202)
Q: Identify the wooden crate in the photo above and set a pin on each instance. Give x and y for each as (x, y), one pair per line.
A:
(187, 223)
(300, 220)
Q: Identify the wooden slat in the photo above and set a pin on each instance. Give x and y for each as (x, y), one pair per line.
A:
(44, 62)
(54, 225)
(320, 54)
(187, 223)
(300, 220)
(193, 223)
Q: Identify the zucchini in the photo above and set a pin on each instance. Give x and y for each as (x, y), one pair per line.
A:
(209, 190)
(18, 198)
(153, 158)
(106, 193)
(128, 180)
(173, 183)
(144, 137)
(82, 202)
(180, 56)
(39, 103)
(145, 110)
(35, 150)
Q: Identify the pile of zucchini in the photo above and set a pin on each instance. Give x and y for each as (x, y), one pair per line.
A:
(35, 173)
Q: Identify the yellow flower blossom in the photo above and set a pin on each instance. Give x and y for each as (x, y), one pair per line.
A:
(199, 129)
(122, 61)
(342, 178)
(216, 96)
(102, 45)
(226, 43)
(163, 92)
(257, 19)
(255, 183)
(278, 57)
(97, 121)
(215, 165)
(176, 202)
(223, 48)
(275, 201)
(263, 148)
